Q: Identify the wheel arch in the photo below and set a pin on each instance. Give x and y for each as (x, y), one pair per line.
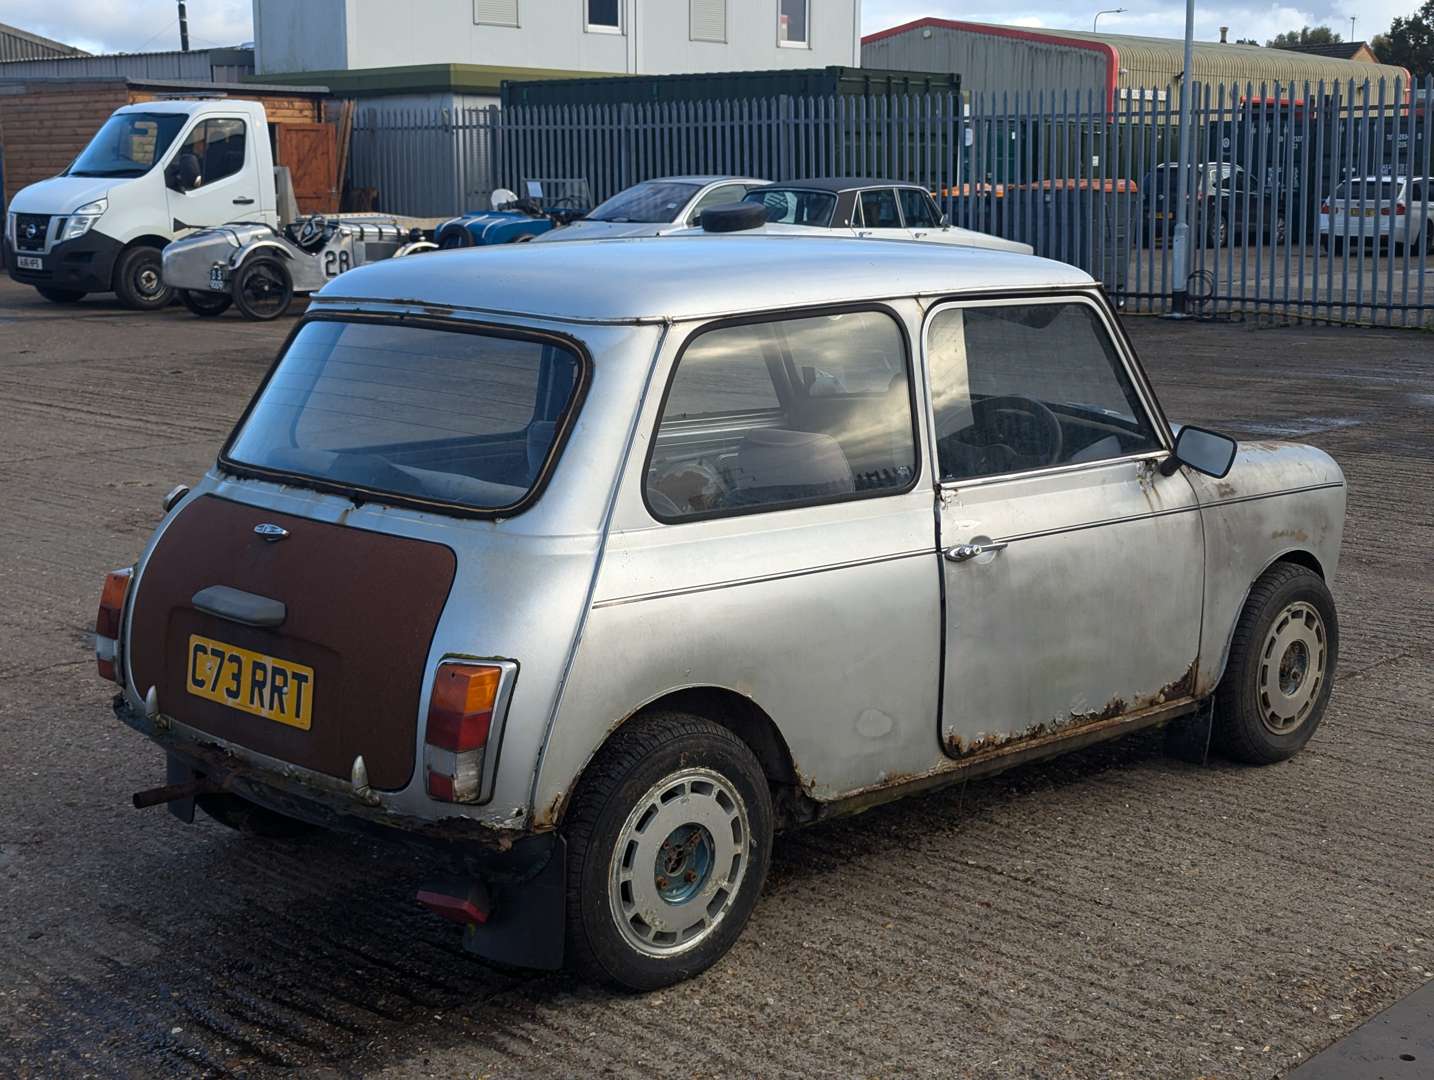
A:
(1297, 556)
(736, 712)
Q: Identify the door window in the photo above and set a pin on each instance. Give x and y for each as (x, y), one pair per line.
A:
(1029, 386)
(920, 211)
(782, 413)
(218, 144)
(878, 209)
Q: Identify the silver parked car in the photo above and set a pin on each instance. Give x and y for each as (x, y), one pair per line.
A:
(656, 207)
(596, 565)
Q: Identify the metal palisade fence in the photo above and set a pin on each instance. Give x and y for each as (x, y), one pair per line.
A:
(1311, 201)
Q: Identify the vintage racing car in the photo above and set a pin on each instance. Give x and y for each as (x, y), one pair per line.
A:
(260, 269)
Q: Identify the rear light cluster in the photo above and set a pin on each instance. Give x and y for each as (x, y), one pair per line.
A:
(460, 714)
(1399, 210)
(108, 624)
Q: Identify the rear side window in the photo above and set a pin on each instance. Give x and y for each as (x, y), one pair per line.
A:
(768, 415)
(446, 416)
(878, 209)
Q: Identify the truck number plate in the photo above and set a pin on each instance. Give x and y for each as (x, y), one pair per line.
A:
(251, 682)
(216, 277)
(29, 262)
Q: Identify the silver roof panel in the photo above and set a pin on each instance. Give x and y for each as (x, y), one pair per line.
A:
(659, 278)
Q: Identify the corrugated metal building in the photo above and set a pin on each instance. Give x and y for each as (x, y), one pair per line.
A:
(199, 65)
(1112, 66)
(17, 44)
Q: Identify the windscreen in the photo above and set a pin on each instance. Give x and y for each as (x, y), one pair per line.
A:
(128, 145)
(444, 416)
(793, 206)
(654, 203)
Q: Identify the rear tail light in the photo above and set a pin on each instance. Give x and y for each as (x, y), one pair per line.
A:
(1324, 208)
(1398, 210)
(460, 714)
(108, 622)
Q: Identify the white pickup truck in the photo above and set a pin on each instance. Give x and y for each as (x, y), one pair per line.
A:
(153, 172)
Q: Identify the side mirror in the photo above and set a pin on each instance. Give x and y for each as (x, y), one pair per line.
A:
(945, 220)
(1203, 450)
(183, 173)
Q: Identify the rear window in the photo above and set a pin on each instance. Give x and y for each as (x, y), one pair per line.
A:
(449, 416)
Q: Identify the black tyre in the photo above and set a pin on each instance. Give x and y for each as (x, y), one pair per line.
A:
(1281, 668)
(1217, 231)
(205, 303)
(251, 818)
(138, 281)
(1277, 230)
(59, 296)
(669, 838)
(263, 289)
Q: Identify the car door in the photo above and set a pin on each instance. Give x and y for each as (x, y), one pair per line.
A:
(919, 212)
(878, 215)
(1073, 570)
(228, 185)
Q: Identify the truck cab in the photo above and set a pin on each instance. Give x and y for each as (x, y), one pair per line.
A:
(153, 171)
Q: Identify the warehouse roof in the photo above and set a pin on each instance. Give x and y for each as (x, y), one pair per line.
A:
(1147, 61)
(17, 44)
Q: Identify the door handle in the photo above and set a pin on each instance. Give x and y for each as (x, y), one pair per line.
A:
(243, 200)
(963, 552)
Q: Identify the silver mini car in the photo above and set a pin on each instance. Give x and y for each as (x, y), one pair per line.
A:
(595, 564)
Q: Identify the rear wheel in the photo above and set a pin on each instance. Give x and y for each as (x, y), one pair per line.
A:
(1281, 668)
(59, 296)
(251, 818)
(205, 303)
(668, 843)
(138, 282)
(1217, 232)
(263, 289)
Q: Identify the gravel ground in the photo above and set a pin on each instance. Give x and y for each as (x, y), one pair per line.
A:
(1114, 913)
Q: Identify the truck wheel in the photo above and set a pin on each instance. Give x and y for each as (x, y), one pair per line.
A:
(246, 817)
(205, 303)
(138, 280)
(263, 289)
(669, 838)
(59, 296)
(1281, 669)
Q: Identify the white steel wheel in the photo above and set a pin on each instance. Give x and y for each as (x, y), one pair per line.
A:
(1281, 667)
(1292, 665)
(679, 862)
(668, 839)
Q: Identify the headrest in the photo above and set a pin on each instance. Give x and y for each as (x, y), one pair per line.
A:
(777, 465)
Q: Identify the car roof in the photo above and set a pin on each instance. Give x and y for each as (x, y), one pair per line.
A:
(713, 179)
(655, 279)
(843, 183)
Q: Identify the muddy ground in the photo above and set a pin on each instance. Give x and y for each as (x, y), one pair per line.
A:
(1112, 914)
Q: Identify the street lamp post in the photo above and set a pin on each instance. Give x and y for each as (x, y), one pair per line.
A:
(1095, 23)
(1179, 295)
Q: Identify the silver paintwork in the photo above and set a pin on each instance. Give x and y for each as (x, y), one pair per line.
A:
(585, 229)
(1102, 595)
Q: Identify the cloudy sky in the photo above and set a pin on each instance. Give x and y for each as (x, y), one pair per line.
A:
(134, 25)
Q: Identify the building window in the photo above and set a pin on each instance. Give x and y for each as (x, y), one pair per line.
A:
(708, 20)
(604, 16)
(792, 24)
(495, 12)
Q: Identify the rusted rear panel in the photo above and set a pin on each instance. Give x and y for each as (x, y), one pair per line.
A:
(360, 610)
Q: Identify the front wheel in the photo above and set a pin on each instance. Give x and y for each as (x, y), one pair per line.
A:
(263, 289)
(205, 303)
(668, 843)
(138, 280)
(1281, 668)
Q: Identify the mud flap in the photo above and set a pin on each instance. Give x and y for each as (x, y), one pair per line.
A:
(1188, 738)
(177, 772)
(528, 923)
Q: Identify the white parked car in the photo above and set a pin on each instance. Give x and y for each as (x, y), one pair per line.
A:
(657, 207)
(870, 209)
(1376, 209)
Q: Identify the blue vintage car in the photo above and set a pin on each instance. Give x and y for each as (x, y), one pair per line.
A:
(511, 220)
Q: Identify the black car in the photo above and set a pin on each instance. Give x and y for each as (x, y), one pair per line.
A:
(1228, 205)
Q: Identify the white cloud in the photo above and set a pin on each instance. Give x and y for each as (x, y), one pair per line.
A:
(131, 25)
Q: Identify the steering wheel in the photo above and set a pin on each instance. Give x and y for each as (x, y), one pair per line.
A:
(999, 428)
(312, 230)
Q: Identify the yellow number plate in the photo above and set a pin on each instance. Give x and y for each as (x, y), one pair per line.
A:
(251, 682)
